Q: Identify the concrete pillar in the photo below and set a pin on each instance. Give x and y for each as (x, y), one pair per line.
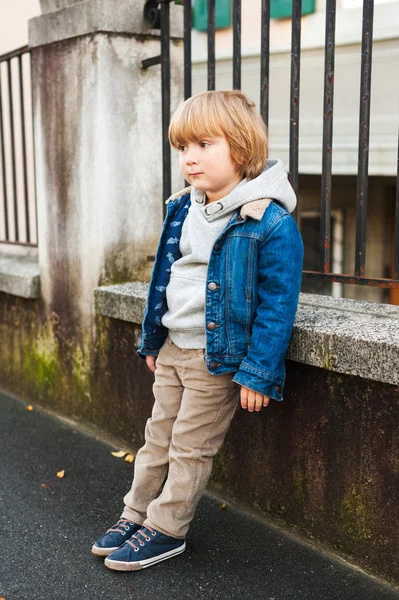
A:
(97, 126)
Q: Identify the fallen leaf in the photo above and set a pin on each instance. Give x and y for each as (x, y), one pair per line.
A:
(45, 486)
(60, 474)
(119, 454)
(29, 407)
(223, 506)
(129, 458)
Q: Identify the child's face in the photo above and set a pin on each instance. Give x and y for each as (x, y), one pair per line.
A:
(207, 165)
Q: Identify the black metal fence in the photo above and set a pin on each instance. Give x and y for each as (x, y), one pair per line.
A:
(18, 222)
(157, 11)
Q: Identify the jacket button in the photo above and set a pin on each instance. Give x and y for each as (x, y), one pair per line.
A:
(212, 286)
(213, 364)
(211, 326)
(217, 247)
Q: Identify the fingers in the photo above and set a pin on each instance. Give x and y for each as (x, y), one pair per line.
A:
(151, 361)
(253, 401)
(244, 397)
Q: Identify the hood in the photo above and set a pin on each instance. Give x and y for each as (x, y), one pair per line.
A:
(272, 183)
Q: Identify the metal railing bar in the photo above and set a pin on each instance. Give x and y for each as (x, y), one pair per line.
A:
(3, 164)
(24, 157)
(294, 100)
(187, 48)
(12, 140)
(351, 279)
(396, 237)
(165, 84)
(151, 62)
(33, 153)
(364, 136)
(14, 53)
(328, 108)
(211, 44)
(236, 44)
(265, 61)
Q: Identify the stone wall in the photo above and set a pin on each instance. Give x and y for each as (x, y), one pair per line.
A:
(325, 460)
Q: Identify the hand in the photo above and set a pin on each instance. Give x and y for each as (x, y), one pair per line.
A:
(151, 360)
(252, 400)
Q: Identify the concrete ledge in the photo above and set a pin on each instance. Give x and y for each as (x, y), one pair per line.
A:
(19, 276)
(347, 336)
(91, 16)
(125, 301)
(337, 334)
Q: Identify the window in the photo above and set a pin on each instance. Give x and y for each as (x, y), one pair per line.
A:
(280, 9)
(200, 14)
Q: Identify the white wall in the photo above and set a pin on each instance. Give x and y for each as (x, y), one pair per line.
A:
(14, 17)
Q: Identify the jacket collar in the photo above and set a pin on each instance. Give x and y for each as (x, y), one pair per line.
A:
(254, 209)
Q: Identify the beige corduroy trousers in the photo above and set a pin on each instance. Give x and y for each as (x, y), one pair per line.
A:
(190, 418)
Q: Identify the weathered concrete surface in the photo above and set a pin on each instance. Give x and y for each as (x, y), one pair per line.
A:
(48, 6)
(19, 276)
(39, 356)
(97, 131)
(325, 460)
(346, 336)
(125, 301)
(82, 18)
(98, 153)
(350, 305)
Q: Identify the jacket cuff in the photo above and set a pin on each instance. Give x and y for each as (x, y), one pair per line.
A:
(151, 344)
(265, 384)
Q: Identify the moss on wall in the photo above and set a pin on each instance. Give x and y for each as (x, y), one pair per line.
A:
(40, 361)
(354, 521)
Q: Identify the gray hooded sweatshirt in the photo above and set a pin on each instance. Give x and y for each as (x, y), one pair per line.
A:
(185, 293)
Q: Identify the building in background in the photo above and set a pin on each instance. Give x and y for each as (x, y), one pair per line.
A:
(383, 129)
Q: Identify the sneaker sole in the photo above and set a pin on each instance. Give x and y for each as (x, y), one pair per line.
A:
(142, 564)
(103, 551)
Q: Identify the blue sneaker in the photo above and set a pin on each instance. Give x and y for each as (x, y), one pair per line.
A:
(147, 547)
(115, 537)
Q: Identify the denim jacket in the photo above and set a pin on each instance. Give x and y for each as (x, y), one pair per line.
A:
(252, 290)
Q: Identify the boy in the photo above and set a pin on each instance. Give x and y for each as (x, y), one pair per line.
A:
(220, 310)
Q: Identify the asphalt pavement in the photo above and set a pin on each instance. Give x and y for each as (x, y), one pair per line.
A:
(48, 525)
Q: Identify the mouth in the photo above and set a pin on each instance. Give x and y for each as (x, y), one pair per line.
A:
(194, 174)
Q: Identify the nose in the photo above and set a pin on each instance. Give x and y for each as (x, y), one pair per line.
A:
(191, 158)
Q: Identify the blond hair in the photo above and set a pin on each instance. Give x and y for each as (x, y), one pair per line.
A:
(224, 113)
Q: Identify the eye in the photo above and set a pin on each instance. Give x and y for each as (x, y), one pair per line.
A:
(181, 148)
(204, 144)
